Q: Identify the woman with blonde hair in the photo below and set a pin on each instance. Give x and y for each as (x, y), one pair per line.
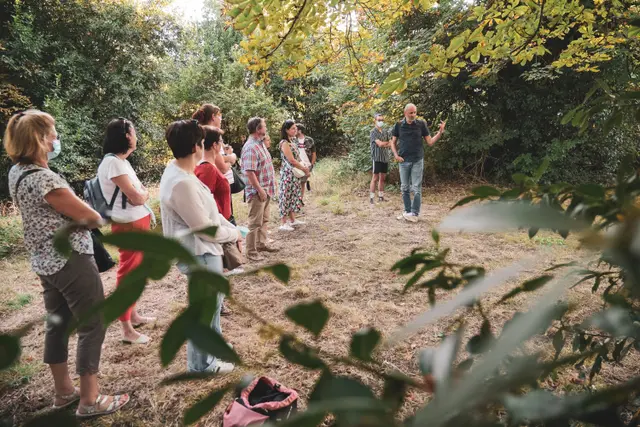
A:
(71, 286)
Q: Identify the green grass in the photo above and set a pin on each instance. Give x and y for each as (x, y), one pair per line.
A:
(19, 374)
(19, 301)
(549, 240)
(11, 237)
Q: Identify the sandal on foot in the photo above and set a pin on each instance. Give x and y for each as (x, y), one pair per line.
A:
(119, 400)
(69, 399)
(142, 339)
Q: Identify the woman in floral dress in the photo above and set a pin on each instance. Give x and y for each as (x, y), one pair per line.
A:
(290, 197)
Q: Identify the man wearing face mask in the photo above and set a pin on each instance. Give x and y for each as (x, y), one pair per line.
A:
(380, 141)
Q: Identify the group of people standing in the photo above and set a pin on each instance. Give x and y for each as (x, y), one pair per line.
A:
(406, 140)
(195, 194)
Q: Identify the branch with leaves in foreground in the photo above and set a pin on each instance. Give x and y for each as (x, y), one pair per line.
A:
(496, 377)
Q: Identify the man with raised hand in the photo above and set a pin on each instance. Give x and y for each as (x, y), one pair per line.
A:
(407, 143)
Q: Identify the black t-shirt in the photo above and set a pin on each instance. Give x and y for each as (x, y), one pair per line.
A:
(411, 139)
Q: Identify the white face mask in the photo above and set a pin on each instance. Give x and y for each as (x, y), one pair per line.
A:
(380, 123)
(57, 148)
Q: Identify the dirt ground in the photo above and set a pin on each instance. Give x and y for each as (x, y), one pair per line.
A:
(343, 256)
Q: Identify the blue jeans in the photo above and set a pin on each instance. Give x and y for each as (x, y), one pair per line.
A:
(411, 181)
(197, 360)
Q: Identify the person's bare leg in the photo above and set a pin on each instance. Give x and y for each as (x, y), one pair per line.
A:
(128, 331)
(292, 217)
(88, 389)
(136, 319)
(372, 186)
(381, 182)
(62, 381)
(304, 184)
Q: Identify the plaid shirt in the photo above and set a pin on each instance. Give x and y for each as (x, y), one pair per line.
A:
(256, 158)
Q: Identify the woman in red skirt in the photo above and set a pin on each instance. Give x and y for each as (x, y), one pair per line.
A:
(124, 191)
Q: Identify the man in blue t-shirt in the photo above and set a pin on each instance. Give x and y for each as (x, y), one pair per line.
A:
(407, 140)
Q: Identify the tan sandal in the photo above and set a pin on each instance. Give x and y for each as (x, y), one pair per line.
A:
(86, 411)
(69, 399)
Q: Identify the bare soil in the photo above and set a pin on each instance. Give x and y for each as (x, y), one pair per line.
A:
(343, 256)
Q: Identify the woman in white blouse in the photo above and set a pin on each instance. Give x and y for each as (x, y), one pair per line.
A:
(121, 186)
(187, 205)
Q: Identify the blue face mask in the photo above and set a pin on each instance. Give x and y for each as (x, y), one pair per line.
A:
(57, 148)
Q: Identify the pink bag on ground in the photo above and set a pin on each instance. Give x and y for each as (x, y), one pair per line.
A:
(262, 400)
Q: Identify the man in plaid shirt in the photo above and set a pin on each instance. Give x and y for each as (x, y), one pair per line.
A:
(261, 187)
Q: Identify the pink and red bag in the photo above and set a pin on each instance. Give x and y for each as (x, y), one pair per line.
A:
(261, 401)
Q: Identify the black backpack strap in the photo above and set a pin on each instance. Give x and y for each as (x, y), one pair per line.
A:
(22, 176)
(117, 190)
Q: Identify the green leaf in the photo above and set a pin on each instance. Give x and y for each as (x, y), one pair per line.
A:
(455, 44)
(394, 392)
(49, 419)
(125, 295)
(9, 350)
(557, 266)
(616, 321)
(331, 387)
(591, 190)
(537, 283)
(201, 408)
(205, 283)
(418, 275)
(541, 169)
(480, 343)
(485, 191)
(188, 376)
(211, 342)
(435, 236)
(281, 271)
(150, 243)
(511, 194)
(299, 353)
(612, 122)
(568, 117)
(519, 178)
(208, 231)
(504, 216)
(558, 342)
(535, 405)
(464, 201)
(595, 368)
(532, 232)
(363, 343)
(61, 241)
(176, 335)
(311, 316)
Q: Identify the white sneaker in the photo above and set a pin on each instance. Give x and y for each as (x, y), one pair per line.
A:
(298, 222)
(238, 270)
(410, 216)
(403, 216)
(223, 367)
(286, 227)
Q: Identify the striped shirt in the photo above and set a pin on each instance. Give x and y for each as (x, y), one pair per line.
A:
(379, 154)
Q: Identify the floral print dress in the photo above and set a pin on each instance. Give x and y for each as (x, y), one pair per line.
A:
(290, 187)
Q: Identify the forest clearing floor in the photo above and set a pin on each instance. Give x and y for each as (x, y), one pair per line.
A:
(343, 256)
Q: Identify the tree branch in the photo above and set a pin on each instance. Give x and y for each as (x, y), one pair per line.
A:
(288, 33)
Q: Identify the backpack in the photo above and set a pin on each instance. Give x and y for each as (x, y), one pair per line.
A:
(94, 196)
(261, 401)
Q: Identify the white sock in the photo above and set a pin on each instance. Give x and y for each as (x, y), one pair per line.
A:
(372, 195)
(380, 193)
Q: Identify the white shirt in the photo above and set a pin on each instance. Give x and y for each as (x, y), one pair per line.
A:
(229, 173)
(186, 204)
(304, 159)
(111, 167)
